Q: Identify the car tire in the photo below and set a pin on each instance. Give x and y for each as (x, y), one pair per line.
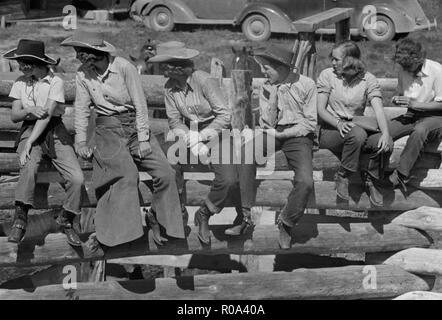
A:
(385, 29)
(256, 27)
(160, 19)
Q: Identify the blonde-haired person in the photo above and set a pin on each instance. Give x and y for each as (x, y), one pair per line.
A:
(344, 90)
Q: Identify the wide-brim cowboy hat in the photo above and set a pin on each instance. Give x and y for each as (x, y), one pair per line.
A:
(174, 54)
(275, 53)
(89, 40)
(30, 50)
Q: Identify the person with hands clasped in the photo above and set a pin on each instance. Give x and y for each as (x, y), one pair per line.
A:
(343, 92)
(420, 91)
(121, 140)
(38, 96)
(198, 113)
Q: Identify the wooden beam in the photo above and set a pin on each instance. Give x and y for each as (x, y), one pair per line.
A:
(328, 283)
(423, 218)
(420, 295)
(307, 238)
(153, 86)
(415, 260)
(323, 19)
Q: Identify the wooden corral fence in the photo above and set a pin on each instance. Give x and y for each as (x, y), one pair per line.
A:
(397, 243)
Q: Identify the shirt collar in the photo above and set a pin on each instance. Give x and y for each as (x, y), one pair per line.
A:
(424, 71)
(188, 87)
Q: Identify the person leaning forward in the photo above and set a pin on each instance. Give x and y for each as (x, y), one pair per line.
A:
(121, 140)
(288, 104)
(38, 96)
(193, 98)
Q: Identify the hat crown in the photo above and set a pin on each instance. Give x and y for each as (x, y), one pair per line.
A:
(95, 39)
(31, 47)
(277, 53)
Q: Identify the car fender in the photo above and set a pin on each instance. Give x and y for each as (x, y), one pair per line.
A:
(279, 21)
(402, 21)
(181, 12)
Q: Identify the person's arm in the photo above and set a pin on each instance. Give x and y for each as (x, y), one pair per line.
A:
(136, 92)
(19, 112)
(223, 116)
(308, 123)
(436, 104)
(176, 124)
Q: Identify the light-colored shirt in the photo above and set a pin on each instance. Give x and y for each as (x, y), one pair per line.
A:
(348, 100)
(426, 86)
(117, 90)
(292, 102)
(33, 93)
(200, 101)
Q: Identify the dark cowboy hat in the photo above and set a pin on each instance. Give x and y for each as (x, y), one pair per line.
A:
(30, 50)
(276, 53)
(90, 40)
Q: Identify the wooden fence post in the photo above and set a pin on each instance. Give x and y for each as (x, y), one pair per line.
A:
(3, 22)
(342, 30)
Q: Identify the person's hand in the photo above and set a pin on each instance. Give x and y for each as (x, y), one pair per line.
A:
(344, 127)
(83, 150)
(384, 144)
(25, 155)
(92, 243)
(144, 149)
(38, 112)
(202, 151)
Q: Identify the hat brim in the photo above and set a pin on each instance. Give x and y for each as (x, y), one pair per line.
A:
(270, 58)
(107, 47)
(172, 55)
(12, 55)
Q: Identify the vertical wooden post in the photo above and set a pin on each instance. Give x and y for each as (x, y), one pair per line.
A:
(343, 30)
(3, 22)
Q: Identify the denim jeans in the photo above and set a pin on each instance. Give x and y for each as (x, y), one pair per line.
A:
(420, 130)
(67, 165)
(349, 148)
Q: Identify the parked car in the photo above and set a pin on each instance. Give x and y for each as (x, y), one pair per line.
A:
(259, 18)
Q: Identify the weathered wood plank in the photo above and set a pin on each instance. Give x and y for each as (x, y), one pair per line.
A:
(415, 260)
(423, 218)
(420, 295)
(307, 238)
(328, 283)
(323, 197)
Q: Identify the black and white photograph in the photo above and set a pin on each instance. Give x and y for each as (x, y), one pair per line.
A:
(219, 154)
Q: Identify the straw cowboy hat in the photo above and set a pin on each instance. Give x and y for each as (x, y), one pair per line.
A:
(30, 50)
(89, 40)
(276, 53)
(171, 52)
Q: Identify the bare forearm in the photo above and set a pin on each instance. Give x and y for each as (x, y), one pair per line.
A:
(428, 106)
(380, 115)
(39, 127)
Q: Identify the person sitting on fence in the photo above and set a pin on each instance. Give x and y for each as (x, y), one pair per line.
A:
(343, 92)
(420, 90)
(121, 140)
(37, 97)
(288, 104)
(198, 114)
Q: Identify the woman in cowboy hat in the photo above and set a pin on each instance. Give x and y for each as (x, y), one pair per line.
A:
(122, 138)
(37, 97)
(198, 113)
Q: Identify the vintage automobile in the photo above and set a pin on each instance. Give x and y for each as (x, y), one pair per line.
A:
(379, 20)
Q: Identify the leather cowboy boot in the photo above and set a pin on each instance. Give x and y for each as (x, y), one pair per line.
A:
(342, 182)
(375, 195)
(153, 224)
(201, 220)
(285, 236)
(66, 221)
(18, 229)
(397, 179)
(244, 227)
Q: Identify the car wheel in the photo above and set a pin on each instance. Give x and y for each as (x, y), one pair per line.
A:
(133, 14)
(161, 19)
(256, 28)
(384, 29)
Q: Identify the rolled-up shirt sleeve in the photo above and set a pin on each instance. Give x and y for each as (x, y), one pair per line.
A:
(373, 87)
(437, 87)
(323, 83)
(214, 96)
(174, 116)
(135, 89)
(82, 111)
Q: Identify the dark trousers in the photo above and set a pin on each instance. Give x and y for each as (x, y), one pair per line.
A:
(349, 148)
(299, 154)
(420, 130)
